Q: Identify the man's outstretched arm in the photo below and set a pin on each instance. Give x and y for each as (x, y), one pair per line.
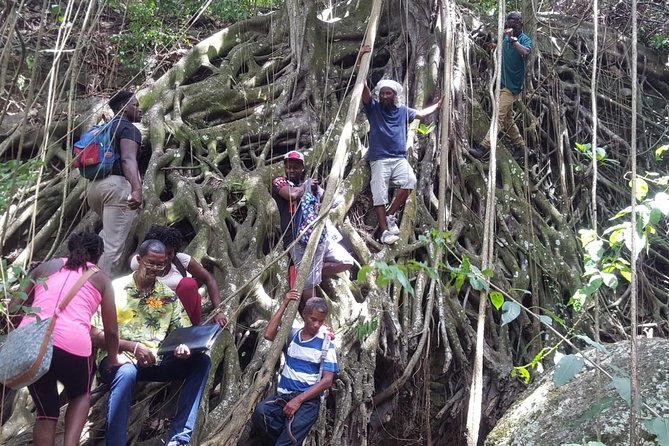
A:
(420, 114)
(273, 326)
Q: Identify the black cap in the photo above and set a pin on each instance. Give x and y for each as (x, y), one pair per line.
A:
(514, 15)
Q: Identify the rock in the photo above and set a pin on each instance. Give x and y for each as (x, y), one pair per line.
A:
(547, 415)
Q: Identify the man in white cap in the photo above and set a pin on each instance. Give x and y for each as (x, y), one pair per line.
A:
(516, 46)
(298, 199)
(388, 122)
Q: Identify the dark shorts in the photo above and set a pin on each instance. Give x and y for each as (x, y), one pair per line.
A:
(74, 372)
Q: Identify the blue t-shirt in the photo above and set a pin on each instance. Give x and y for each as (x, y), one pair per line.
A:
(513, 64)
(303, 362)
(388, 130)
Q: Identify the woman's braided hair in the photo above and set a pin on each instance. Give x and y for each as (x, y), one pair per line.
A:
(171, 237)
(84, 247)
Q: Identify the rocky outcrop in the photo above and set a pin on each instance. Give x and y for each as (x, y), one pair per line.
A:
(573, 413)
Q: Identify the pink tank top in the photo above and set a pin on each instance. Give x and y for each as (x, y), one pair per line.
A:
(72, 330)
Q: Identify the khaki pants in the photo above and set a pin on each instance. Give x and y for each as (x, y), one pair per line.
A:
(108, 197)
(506, 122)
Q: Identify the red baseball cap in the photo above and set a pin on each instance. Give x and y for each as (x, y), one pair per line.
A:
(294, 155)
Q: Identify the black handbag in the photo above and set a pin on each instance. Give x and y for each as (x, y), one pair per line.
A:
(198, 338)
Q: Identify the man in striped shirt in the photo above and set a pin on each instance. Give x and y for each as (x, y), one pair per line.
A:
(310, 365)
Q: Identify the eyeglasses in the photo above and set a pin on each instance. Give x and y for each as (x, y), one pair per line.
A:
(153, 265)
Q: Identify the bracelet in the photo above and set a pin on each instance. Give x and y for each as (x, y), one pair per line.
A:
(134, 350)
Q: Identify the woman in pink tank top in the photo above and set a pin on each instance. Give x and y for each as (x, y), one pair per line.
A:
(72, 348)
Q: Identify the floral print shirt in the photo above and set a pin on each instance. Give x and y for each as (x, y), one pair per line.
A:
(146, 318)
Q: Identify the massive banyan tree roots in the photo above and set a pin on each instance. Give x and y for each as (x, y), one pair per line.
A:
(216, 126)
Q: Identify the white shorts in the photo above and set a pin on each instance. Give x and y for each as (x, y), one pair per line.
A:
(395, 171)
(328, 251)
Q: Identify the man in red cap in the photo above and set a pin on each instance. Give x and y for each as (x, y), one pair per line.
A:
(298, 200)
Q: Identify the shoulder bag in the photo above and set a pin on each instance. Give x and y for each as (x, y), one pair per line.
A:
(26, 354)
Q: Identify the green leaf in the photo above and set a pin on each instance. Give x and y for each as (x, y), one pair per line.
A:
(510, 311)
(425, 129)
(661, 203)
(522, 373)
(610, 280)
(497, 299)
(578, 299)
(660, 151)
(592, 343)
(660, 428)
(622, 386)
(566, 369)
(362, 272)
(459, 281)
(545, 319)
(586, 236)
(595, 250)
(641, 189)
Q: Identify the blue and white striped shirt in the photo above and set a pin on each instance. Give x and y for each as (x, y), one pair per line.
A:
(303, 363)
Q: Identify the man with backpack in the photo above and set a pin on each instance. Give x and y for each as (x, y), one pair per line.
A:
(310, 366)
(298, 200)
(117, 196)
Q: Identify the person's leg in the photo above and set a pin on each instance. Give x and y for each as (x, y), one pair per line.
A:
(121, 386)
(303, 420)
(507, 122)
(314, 273)
(76, 375)
(75, 419)
(188, 294)
(379, 185)
(44, 393)
(269, 418)
(336, 259)
(402, 176)
(194, 371)
(109, 199)
(44, 432)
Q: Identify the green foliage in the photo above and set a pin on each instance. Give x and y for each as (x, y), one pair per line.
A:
(155, 24)
(602, 156)
(659, 41)
(16, 175)
(425, 129)
(605, 256)
(14, 280)
(567, 368)
(658, 427)
(364, 329)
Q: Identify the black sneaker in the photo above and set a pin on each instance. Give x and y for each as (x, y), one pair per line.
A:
(518, 153)
(478, 151)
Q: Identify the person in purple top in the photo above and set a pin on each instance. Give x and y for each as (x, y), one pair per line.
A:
(388, 120)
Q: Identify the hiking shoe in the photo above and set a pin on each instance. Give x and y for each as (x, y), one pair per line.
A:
(388, 238)
(518, 153)
(391, 220)
(478, 151)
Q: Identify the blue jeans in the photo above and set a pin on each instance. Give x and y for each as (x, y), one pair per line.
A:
(269, 417)
(193, 371)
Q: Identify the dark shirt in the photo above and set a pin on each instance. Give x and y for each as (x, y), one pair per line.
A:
(513, 64)
(286, 208)
(123, 129)
(387, 130)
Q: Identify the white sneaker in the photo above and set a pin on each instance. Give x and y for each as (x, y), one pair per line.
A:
(392, 224)
(388, 238)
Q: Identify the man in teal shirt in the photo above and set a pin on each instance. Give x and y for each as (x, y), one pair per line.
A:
(516, 46)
